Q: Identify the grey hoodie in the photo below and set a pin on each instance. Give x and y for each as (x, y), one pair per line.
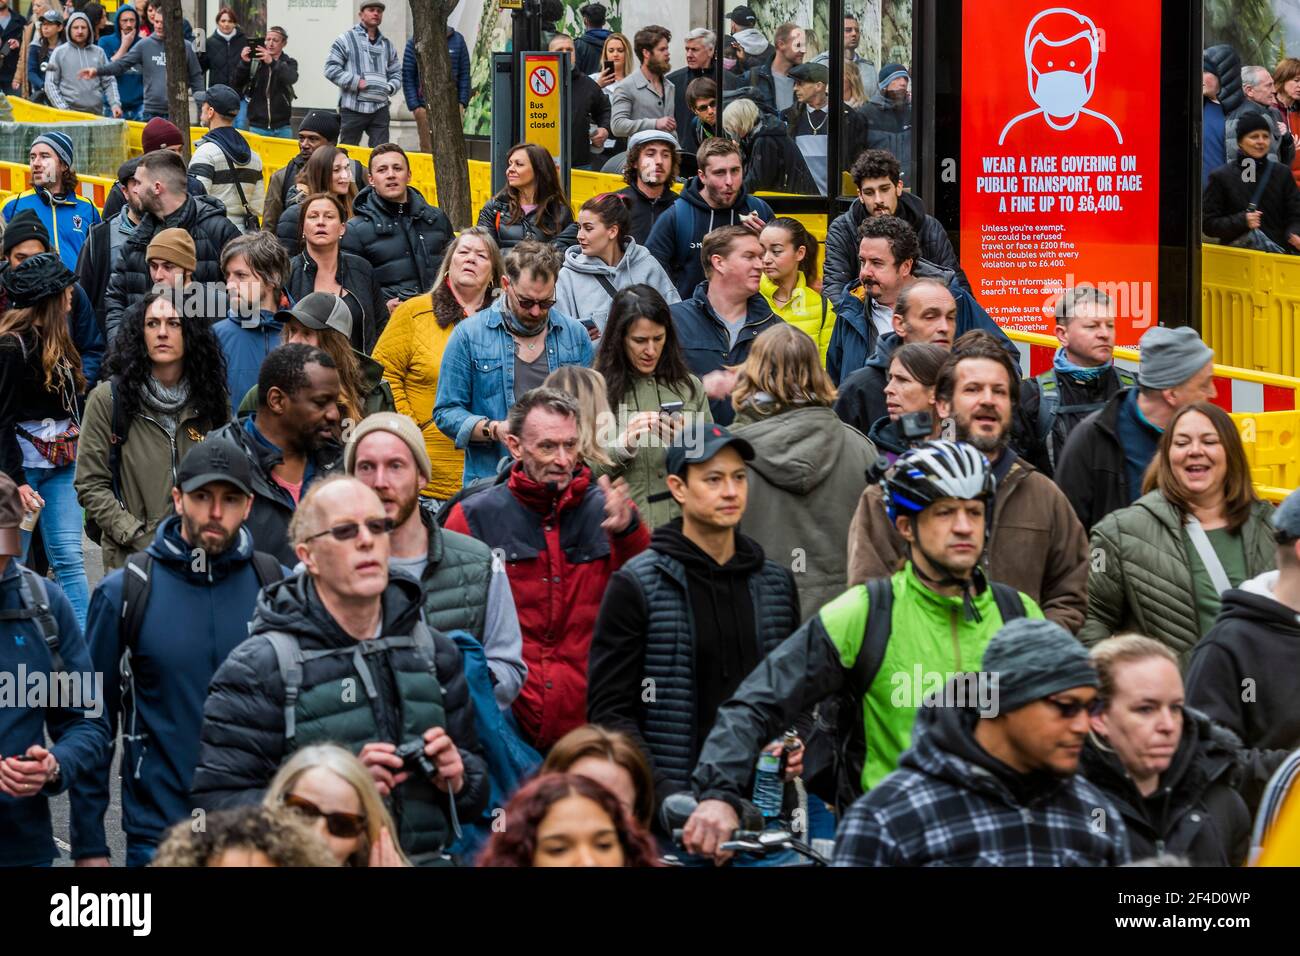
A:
(580, 295)
(151, 57)
(65, 90)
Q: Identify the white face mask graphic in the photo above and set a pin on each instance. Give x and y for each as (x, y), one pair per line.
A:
(1061, 93)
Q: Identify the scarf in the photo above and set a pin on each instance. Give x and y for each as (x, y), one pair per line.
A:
(515, 327)
(1077, 372)
(164, 403)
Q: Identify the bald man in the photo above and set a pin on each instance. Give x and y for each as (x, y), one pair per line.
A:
(402, 704)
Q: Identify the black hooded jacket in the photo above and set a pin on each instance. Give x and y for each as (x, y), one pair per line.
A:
(1253, 646)
(1196, 812)
(403, 242)
(773, 162)
(242, 742)
(204, 218)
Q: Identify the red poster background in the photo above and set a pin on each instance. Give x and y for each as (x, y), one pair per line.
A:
(1018, 275)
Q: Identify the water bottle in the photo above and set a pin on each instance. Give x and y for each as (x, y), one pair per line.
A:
(768, 787)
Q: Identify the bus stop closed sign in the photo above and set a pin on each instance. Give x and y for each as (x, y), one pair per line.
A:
(542, 101)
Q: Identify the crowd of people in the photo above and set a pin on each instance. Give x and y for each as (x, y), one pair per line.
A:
(406, 532)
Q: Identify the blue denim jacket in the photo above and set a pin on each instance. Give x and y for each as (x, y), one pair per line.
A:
(477, 378)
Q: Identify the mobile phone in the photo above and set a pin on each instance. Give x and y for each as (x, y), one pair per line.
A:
(607, 66)
(671, 408)
(257, 43)
(590, 324)
(24, 758)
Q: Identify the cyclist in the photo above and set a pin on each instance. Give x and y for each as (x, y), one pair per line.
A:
(876, 650)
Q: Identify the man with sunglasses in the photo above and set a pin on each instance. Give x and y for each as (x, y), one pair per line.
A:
(340, 653)
(290, 441)
(174, 613)
(992, 781)
(871, 655)
(498, 354)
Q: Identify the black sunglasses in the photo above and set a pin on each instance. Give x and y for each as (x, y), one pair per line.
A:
(350, 529)
(346, 826)
(1070, 709)
(527, 305)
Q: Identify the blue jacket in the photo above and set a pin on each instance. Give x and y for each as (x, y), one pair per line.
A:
(172, 668)
(130, 85)
(67, 220)
(854, 337)
(677, 245)
(80, 734)
(411, 86)
(477, 378)
(704, 339)
(245, 348)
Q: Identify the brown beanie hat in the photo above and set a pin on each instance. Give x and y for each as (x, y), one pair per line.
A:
(394, 424)
(174, 246)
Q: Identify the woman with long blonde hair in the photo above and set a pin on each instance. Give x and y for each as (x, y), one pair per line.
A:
(332, 789)
(617, 52)
(594, 416)
(41, 393)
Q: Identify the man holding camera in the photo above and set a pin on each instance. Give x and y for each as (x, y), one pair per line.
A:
(339, 653)
(268, 87)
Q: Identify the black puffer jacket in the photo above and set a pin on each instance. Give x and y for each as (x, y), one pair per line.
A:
(221, 58)
(204, 218)
(363, 299)
(496, 211)
(242, 743)
(1197, 812)
(403, 242)
(842, 243)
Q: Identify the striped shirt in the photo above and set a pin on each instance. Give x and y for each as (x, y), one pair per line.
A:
(352, 58)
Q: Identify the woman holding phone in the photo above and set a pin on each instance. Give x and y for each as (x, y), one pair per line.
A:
(652, 393)
(615, 65)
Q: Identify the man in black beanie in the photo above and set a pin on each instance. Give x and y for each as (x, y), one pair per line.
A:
(991, 777)
(318, 128)
(26, 236)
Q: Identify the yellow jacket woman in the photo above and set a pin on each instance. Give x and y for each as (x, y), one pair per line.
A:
(789, 272)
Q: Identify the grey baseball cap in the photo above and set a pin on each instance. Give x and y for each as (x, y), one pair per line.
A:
(320, 310)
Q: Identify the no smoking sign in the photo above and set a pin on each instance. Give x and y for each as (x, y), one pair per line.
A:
(542, 81)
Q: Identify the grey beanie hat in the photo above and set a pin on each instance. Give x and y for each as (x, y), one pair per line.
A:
(1286, 519)
(1171, 356)
(1033, 659)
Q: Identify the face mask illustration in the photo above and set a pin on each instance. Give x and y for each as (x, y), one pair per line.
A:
(1061, 92)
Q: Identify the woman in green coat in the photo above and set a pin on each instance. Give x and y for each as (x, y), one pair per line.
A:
(1160, 566)
(167, 376)
(652, 394)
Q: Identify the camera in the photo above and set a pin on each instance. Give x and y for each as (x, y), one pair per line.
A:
(415, 760)
(915, 426)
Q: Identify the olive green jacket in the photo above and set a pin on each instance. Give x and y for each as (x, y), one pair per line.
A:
(1140, 577)
(150, 459)
(645, 470)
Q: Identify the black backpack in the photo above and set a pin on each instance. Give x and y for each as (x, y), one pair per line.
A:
(1049, 407)
(37, 609)
(847, 749)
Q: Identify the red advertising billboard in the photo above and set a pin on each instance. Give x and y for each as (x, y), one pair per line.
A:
(1060, 157)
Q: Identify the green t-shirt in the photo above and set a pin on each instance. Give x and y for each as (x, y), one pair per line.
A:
(1231, 552)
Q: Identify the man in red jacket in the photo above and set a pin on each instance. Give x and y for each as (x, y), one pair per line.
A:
(562, 535)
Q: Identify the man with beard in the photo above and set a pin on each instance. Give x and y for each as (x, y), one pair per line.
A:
(1036, 543)
(67, 217)
(102, 252)
(562, 534)
(464, 587)
(644, 99)
(290, 441)
(650, 168)
(201, 570)
(889, 116)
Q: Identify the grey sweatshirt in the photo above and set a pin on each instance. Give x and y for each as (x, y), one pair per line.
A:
(579, 294)
(65, 90)
(150, 56)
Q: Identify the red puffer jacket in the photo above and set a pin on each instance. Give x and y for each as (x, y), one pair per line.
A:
(559, 561)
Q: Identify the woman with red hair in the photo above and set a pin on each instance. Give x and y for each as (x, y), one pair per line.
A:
(561, 819)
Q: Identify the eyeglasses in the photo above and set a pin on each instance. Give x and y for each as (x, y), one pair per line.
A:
(1070, 709)
(350, 529)
(343, 825)
(527, 305)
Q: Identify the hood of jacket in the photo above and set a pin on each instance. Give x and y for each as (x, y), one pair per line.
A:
(636, 260)
(669, 540)
(884, 434)
(117, 18)
(231, 143)
(266, 321)
(1254, 603)
(293, 605)
(925, 269)
(1205, 752)
(911, 210)
(768, 125)
(796, 449)
(883, 354)
(1222, 60)
(944, 747)
(173, 550)
(67, 30)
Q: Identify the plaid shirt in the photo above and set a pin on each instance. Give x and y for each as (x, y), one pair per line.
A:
(941, 808)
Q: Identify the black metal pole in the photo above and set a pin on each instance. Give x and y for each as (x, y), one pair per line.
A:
(834, 161)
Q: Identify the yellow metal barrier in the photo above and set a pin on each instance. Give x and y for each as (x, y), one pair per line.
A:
(1250, 308)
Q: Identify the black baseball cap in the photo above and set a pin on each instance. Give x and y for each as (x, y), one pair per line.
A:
(216, 459)
(743, 15)
(221, 98)
(702, 442)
